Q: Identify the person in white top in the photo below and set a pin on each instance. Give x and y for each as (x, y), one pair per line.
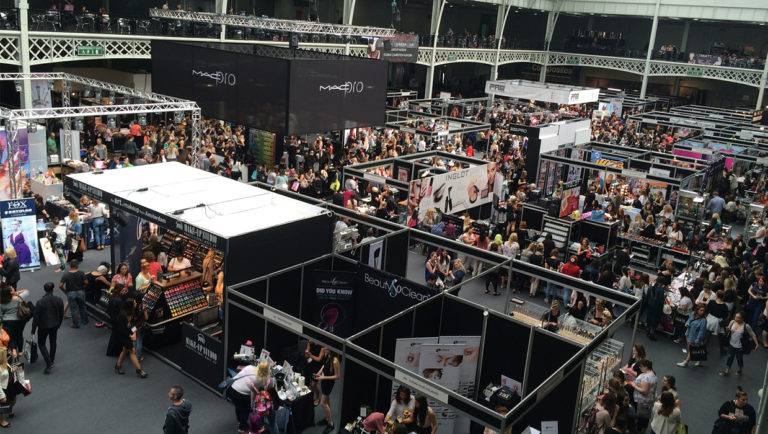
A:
(240, 395)
(179, 263)
(760, 234)
(665, 416)
(403, 401)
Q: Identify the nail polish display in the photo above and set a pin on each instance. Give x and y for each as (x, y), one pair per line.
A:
(185, 297)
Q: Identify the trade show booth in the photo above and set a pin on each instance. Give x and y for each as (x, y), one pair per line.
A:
(196, 213)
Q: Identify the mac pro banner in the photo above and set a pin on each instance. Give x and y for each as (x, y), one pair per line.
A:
(330, 95)
(382, 295)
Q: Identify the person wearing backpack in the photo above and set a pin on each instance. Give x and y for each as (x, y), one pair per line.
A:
(740, 338)
(262, 391)
(239, 393)
(599, 419)
(10, 300)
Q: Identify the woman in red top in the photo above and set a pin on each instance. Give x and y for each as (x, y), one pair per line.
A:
(570, 269)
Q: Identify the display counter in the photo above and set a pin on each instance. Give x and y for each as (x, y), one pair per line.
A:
(46, 190)
(569, 327)
(169, 300)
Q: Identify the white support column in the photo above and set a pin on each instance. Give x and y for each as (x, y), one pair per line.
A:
(761, 94)
(431, 67)
(349, 11)
(221, 8)
(651, 44)
(12, 131)
(501, 21)
(549, 32)
(26, 85)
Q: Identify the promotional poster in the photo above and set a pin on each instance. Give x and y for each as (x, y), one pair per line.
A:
(21, 159)
(468, 370)
(454, 191)
(20, 230)
(569, 201)
(334, 293)
(442, 365)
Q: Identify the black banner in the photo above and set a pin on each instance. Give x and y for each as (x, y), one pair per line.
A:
(334, 297)
(381, 295)
(203, 356)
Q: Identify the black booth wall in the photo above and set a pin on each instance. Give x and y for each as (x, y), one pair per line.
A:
(273, 249)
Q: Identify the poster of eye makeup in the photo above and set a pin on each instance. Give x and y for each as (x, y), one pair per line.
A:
(442, 365)
(468, 370)
(454, 191)
(408, 353)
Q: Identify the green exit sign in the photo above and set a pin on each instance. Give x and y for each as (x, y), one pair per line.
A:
(572, 60)
(694, 72)
(90, 51)
(451, 58)
(532, 58)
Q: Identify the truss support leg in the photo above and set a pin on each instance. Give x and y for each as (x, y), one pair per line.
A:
(196, 137)
(12, 129)
(26, 92)
(66, 140)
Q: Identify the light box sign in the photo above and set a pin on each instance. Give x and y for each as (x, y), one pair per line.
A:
(20, 230)
(606, 161)
(399, 48)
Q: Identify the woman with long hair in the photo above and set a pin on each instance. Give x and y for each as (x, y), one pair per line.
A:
(9, 310)
(209, 269)
(7, 395)
(423, 419)
(125, 333)
(75, 231)
(402, 402)
(737, 330)
(122, 277)
(696, 334)
(327, 376)
(10, 268)
(665, 415)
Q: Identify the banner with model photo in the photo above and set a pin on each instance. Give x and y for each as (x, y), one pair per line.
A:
(20, 230)
(382, 295)
(399, 48)
(455, 191)
(334, 294)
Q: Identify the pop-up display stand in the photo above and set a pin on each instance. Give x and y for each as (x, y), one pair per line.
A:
(228, 216)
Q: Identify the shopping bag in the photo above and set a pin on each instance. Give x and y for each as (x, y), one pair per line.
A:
(21, 384)
(698, 353)
(30, 351)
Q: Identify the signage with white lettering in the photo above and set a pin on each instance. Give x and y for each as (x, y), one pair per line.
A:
(283, 320)
(334, 294)
(421, 385)
(204, 355)
(629, 173)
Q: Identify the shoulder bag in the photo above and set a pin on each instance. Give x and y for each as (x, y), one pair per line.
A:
(24, 312)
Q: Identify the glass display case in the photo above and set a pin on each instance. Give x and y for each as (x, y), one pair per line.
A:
(578, 330)
(527, 312)
(691, 205)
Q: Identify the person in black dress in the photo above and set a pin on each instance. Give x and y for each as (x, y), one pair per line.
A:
(126, 335)
(314, 354)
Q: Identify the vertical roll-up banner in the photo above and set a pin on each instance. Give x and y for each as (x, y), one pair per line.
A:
(20, 230)
(334, 298)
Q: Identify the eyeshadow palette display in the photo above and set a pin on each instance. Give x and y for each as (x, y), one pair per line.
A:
(185, 297)
(150, 298)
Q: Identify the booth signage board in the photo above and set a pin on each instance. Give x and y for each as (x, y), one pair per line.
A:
(455, 191)
(629, 173)
(402, 47)
(382, 295)
(598, 158)
(658, 172)
(523, 130)
(204, 355)
(20, 230)
(165, 221)
(334, 298)
(283, 320)
(90, 50)
(536, 91)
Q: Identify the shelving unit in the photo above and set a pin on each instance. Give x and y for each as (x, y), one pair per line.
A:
(601, 364)
(577, 330)
(644, 251)
(528, 312)
(193, 250)
(171, 299)
(560, 230)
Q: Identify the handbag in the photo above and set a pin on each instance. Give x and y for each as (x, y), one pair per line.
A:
(24, 312)
(81, 245)
(698, 353)
(30, 349)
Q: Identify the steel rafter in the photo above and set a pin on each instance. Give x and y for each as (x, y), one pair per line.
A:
(273, 23)
(101, 110)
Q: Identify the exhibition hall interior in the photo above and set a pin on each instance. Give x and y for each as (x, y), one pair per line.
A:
(384, 216)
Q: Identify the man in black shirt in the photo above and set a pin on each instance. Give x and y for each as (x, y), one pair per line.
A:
(73, 284)
(130, 148)
(49, 313)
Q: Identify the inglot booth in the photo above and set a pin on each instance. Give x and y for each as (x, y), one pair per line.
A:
(252, 232)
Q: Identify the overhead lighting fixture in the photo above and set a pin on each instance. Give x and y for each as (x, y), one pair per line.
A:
(87, 92)
(97, 94)
(17, 84)
(143, 120)
(112, 122)
(177, 117)
(79, 124)
(32, 126)
(112, 97)
(50, 85)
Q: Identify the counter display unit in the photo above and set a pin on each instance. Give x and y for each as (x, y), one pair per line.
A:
(644, 251)
(578, 330)
(175, 298)
(690, 205)
(601, 364)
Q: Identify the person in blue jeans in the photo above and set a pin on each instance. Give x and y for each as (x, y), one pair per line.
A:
(552, 263)
(696, 334)
(98, 213)
(73, 284)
